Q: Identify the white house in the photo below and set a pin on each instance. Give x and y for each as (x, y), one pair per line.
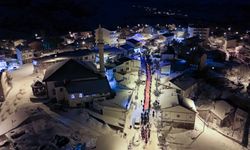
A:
(177, 111)
(217, 113)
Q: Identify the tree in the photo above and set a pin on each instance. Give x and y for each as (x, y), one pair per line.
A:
(239, 75)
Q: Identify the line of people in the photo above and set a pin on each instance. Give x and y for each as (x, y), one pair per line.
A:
(145, 128)
(147, 91)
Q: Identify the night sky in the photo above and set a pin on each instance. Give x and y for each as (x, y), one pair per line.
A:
(19, 17)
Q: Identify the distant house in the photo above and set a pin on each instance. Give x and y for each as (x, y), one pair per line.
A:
(24, 54)
(124, 66)
(168, 54)
(185, 84)
(110, 37)
(42, 63)
(230, 42)
(240, 118)
(200, 31)
(76, 83)
(133, 43)
(128, 48)
(218, 113)
(168, 37)
(165, 68)
(111, 54)
(177, 111)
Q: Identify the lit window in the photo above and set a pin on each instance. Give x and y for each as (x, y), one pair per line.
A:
(72, 96)
(80, 95)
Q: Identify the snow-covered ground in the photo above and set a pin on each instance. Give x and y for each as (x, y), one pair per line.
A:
(21, 91)
(202, 137)
(76, 124)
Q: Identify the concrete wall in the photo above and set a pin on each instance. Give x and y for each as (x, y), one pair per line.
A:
(50, 88)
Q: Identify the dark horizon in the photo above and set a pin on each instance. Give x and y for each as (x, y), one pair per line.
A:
(53, 17)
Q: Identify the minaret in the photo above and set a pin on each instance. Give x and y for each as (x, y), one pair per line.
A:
(100, 45)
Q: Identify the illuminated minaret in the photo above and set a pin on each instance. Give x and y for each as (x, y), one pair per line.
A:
(100, 44)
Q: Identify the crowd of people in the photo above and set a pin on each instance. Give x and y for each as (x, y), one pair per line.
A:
(145, 124)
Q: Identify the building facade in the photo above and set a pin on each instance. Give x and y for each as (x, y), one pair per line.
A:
(199, 31)
(179, 117)
(76, 83)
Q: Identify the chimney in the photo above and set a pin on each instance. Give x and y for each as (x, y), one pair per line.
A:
(100, 45)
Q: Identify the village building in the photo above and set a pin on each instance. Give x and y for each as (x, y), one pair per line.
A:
(40, 64)
(240, 118)
(109, 37)
(111, 54)
(168, 53)
(165, 68)
(222, 114)
(168, 37)
(200, 31)
(134, 43)
(185, 84)
(177, 111)
(76, 83)
(218, 113)
(230, 42)
(128, 48)
(24, 54)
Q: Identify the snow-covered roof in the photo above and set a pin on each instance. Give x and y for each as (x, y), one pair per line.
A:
(219, 108)
(111, 142)
(189, 103)
(184, 81)
(71, 69)
(168, 98)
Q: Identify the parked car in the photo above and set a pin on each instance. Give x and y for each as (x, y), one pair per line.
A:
(137, 123)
